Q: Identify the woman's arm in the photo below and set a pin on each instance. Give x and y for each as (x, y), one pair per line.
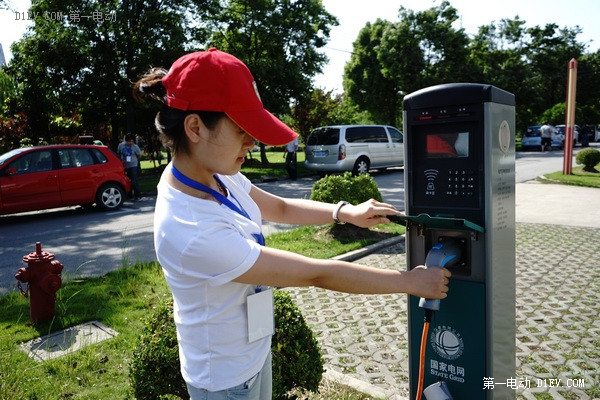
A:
(309, 212)
(281, 268)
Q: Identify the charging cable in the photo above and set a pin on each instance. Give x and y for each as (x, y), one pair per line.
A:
(445, 253)
(422, 352)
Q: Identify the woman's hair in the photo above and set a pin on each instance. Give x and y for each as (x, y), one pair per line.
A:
(169, 120)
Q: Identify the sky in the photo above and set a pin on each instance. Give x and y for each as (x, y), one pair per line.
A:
(354, 14)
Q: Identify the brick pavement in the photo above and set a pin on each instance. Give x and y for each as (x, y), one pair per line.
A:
(364, 338)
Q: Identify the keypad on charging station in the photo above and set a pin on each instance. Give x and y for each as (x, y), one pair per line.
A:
(461, 182)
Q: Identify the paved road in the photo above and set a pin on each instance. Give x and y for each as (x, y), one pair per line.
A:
(529, 165)
(87, 242)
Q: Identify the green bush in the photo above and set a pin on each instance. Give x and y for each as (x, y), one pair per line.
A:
(589, 158)
(353, 189)
(297, 361)
(154, 368)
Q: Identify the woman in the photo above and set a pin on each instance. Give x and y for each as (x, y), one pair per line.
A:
(207, 228)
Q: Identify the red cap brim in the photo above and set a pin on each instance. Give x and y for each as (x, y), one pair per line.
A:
(263, 126)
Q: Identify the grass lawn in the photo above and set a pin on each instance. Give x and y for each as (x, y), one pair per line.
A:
(120, 299)
(577, 177)
(252, 169)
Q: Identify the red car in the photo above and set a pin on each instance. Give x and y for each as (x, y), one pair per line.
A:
(36, 178)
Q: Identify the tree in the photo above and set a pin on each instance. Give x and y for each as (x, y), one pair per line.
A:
(588, 88)
(550, 49)
(364, 78)
(323, 108)
(424, 49)
(348, 113)
(444, 48)
(401, 56)
(499, 51)
(313, 111)
(390, 60)
(278, 40)
(83, 62)
(9, 92)
(529, 62)
(4, 5)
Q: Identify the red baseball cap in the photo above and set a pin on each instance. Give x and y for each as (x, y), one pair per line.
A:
(213, 80)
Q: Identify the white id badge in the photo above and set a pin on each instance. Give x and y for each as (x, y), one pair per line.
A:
(128, 158)
(261, 320)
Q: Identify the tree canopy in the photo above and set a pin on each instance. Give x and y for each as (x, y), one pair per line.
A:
(421, 49)
(73, 70)
(278, 40)
(81, 63)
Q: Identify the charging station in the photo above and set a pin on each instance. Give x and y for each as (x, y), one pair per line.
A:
(460, 189)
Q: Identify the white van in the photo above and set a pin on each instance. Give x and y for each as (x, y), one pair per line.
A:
(355, 148)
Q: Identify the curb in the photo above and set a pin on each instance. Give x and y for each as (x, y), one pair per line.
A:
(359, 253)
(360, 386)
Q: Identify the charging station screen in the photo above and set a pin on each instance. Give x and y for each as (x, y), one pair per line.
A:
(445, 169)
(447, 145)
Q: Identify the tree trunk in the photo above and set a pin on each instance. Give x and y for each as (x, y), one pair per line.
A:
(263, 155)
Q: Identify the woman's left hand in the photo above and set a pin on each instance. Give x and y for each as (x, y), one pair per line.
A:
(369, 213)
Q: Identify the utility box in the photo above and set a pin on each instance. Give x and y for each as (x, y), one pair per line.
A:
(460, 184)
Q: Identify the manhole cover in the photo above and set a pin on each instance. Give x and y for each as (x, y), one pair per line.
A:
(67, 341)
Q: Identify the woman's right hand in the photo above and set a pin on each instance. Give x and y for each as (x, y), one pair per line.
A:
(430, 283)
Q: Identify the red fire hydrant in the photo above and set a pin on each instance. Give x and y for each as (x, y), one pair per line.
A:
(43, 278)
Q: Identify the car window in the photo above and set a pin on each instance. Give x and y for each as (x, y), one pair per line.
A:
(366, 134)
(396, 135)
(533, 131)
(73, 158)
(100, 158)
(324, 137)
(561, 128)
(11, 153)
(35, 161)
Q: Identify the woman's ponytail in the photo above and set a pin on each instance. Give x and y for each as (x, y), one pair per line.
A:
(150, 85)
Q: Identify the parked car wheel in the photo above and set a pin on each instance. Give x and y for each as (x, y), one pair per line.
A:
(110, 196)
(361, 166)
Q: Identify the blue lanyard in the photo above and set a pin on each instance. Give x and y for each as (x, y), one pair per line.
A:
(260, 239)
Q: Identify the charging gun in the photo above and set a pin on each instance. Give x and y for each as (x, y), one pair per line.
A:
(445, 253)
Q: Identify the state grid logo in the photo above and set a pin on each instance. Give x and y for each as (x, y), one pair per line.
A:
(447, 342)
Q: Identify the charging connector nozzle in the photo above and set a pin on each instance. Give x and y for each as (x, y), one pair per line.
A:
(445, 253)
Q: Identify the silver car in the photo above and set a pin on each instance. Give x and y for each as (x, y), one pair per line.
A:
(355, 148)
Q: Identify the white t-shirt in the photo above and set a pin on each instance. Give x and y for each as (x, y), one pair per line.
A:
(202, 246)
(292, 146)
(546, 131)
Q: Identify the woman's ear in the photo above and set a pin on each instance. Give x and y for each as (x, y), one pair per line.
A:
(194, 127)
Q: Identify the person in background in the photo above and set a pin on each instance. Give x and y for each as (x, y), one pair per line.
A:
(130, 154)
(207, 228)
(291, 161)
(546, 132)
